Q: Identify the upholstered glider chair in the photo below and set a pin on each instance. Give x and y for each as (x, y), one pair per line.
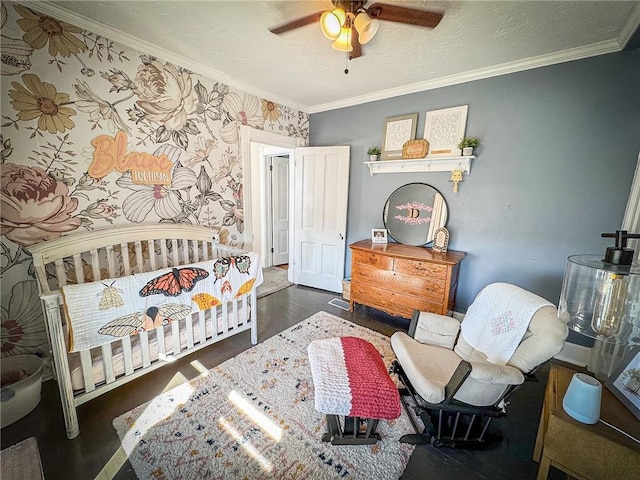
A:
(458, 375)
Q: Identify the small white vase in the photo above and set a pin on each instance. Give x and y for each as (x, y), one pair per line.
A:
(467, 151)
(373, 158)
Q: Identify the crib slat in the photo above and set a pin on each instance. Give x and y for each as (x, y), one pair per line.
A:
(175, 331)
(107, 360)
(87, 370)
(60, 273)
(202, 325)
(127, 354)
(215, 329)
(152, 255)
(95, 265)
(111, 262)
(189, 327)
(139, 257)
(162, 350)
(126, 263)
(225, 317)
(244, 309)
(175, 254)
(77, 265)
(195, 250)
(163, 253)
(144, 348)
(234, 315)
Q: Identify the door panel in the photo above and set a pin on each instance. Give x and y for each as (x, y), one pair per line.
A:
(320, 220)
(280, 210)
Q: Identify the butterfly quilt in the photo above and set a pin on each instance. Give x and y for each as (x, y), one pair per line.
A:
(99, 312)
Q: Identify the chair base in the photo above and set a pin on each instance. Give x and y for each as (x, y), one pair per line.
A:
(450, 424)
(354, 431)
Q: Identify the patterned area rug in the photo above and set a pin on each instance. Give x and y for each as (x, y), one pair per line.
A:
(253, 417)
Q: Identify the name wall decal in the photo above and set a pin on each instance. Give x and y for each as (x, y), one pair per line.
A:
(110, 154)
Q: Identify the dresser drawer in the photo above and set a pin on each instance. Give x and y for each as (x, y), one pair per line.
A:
(424, 269)
(374, 259)
(392, 302)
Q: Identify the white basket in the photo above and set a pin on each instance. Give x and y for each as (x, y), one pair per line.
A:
(18, 398)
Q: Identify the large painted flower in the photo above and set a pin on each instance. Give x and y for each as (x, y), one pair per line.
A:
(40, 29)
(98, 109)
(21, 327)
(35, 206)
(41, 100)
(240, 111)
(270, 111)
(163, 200)
(166, 94)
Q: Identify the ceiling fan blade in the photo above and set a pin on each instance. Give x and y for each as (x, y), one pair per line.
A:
(355, 43)
(300, 22)
(394, 13)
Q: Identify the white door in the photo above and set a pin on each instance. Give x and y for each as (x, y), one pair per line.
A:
(320, 216)
(279, 170)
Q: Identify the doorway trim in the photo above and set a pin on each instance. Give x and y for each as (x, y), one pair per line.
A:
(249, 154)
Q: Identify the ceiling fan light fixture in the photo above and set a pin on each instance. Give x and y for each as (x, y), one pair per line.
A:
(331, 23)
(343, 42)
(366, 27)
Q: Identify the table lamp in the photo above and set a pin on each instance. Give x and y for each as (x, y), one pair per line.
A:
(601, 299)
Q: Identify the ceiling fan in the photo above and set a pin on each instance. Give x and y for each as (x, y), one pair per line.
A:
(351, 24)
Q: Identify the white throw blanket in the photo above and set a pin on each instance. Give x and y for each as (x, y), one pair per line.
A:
(498, 319)
(99, 311)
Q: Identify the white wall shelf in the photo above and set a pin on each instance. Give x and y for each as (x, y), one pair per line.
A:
(436, 164)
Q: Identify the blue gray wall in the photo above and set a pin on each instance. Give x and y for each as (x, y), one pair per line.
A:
(559, 146)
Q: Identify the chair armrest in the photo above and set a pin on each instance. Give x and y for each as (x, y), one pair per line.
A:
(486, 372)
(434, 329)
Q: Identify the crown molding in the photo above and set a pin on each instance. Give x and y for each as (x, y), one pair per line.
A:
(633, 23)
(94, 26)
(568, 55)
(600, 48)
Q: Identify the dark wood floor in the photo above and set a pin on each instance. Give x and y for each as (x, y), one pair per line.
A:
(85, 456)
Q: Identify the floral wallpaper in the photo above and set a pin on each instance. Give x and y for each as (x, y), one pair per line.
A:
(64, 91)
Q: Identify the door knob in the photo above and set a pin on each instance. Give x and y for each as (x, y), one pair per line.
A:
(340, 236)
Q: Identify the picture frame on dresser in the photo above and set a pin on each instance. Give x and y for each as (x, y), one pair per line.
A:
(378, 235)
(624, 383)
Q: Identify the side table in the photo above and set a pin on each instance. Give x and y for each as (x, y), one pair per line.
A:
(586, 452)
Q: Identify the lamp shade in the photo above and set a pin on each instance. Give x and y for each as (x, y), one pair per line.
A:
(366, 27)
(343, 42)
(331, 23)
(583, 397)
(601, 300)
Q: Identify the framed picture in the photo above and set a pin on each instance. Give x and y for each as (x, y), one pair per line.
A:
(440, 240)
(397, 131)
(444, 129)
(625, 381)
(378, 235)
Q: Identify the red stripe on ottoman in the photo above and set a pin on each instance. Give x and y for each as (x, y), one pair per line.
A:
(373, 393)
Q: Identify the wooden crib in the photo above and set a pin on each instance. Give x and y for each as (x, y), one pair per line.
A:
(118, 252)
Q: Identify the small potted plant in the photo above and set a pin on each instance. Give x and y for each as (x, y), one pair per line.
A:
(373, 153)
(467, 144)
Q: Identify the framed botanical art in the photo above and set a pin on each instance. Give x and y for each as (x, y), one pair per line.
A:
(443, 129)
(397, 131)
(625, 381)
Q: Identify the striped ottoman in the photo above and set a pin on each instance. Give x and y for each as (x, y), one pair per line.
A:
(351, 381)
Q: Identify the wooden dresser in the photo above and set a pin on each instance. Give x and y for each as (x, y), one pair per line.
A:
(398, 278)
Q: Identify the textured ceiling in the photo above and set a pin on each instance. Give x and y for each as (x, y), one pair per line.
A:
(230, 41)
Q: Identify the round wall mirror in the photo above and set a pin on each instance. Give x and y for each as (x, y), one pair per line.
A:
(413, 213)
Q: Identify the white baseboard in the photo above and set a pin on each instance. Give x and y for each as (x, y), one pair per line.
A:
(575, 354)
